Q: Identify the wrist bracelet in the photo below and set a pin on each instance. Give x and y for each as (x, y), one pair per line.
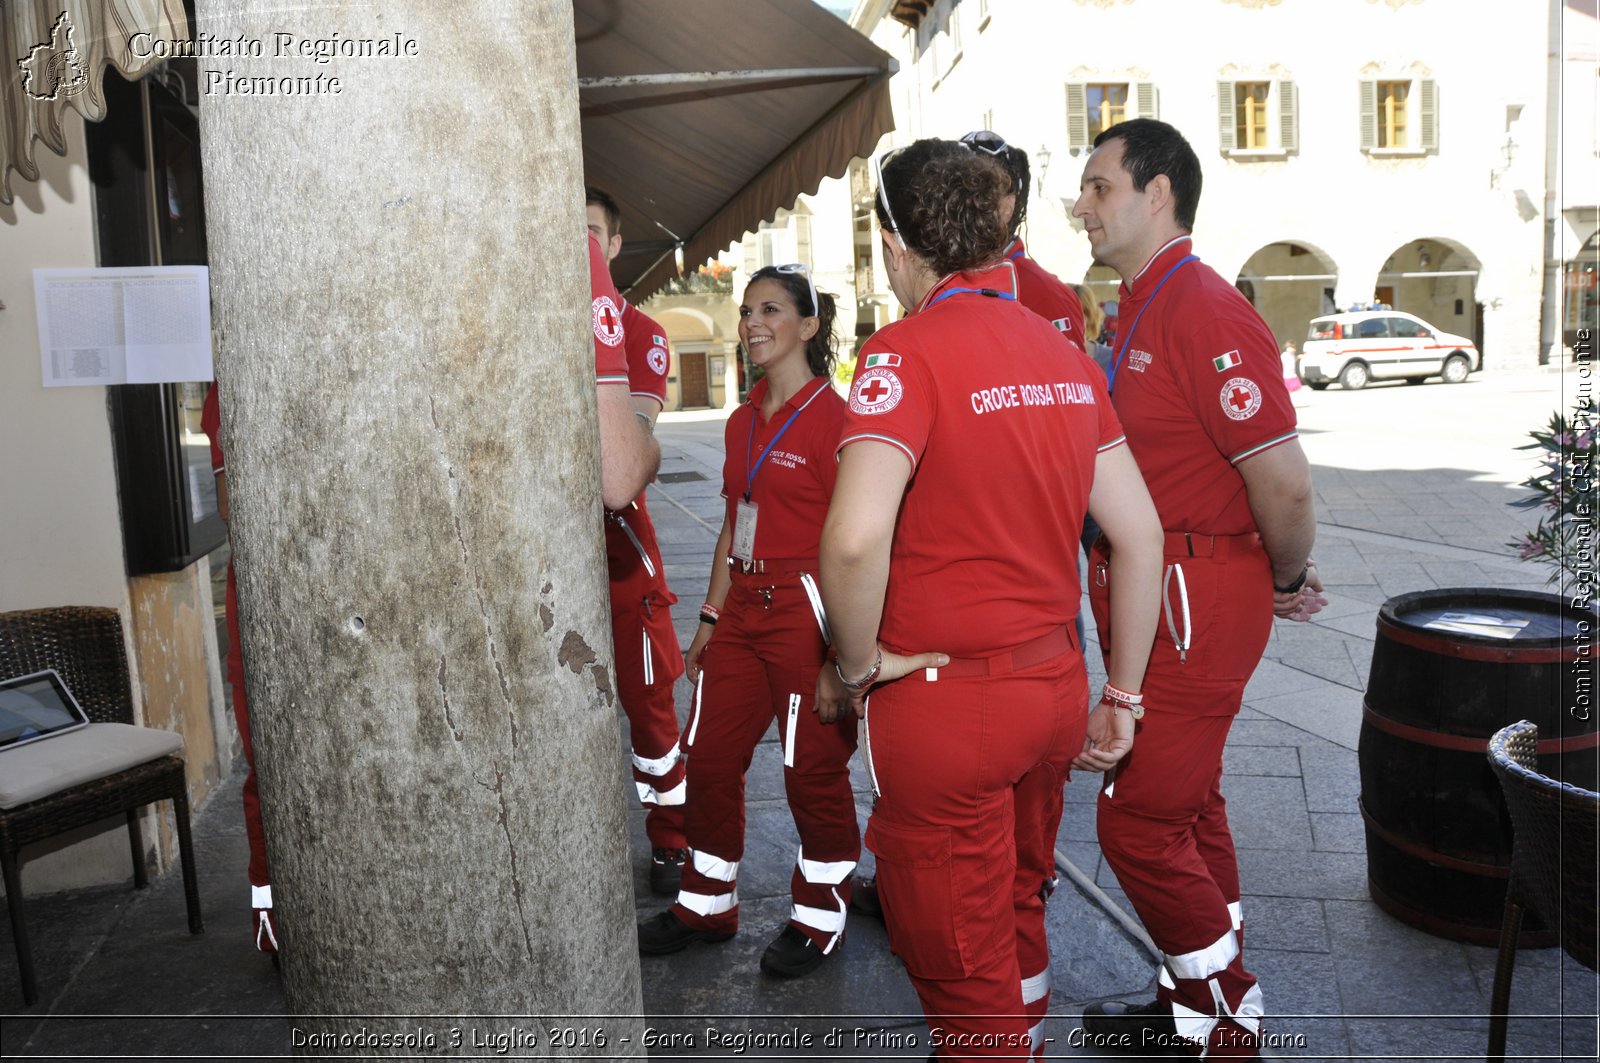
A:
(865, 681)
(1119, 698)
(1118, 694)
(649, 425)
(1136, 711)
(710, 614)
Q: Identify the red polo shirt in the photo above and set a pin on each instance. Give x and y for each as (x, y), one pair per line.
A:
(1001, 420)
(793, 486)
(1199, 389)
(1043, 292)
(649, 359)
(610, 358)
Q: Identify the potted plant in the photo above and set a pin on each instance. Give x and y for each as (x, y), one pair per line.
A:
(1564, 487)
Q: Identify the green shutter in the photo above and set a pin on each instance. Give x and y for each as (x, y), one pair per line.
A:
(1369, 115)
(1427, 115)
(1077, 115)
(1227, 121)
(1288, 117)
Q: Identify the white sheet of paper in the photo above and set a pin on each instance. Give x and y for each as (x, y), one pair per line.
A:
(123, 325)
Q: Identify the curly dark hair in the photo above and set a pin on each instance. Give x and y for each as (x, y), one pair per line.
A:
(820, 354)
(946, 201)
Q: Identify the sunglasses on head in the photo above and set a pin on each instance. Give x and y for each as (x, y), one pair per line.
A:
(799, 267)
(985, 141)
(878, 162)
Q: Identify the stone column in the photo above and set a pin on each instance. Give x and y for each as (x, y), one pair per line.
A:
(397, 266)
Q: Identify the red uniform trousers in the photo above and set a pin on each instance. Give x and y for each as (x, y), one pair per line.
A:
(761, 665)
(648, 663)
(259, 871)
(968, 772)
(1162, 821)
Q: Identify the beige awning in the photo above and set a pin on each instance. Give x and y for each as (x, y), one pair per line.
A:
(52, 53)
(704, 117)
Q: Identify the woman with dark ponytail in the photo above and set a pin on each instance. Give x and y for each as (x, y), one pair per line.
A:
(762, 638)
(976, 439)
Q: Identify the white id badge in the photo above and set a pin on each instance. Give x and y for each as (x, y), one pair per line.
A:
(744, 531)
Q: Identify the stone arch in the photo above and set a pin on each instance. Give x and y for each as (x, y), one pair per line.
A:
(1289, 282)
(1434, 278)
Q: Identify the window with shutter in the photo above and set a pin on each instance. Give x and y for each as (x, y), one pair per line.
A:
(1288, 117)
(1399, 116)
(1369, 115)
(1256, 118)
(1226, 122)
(1427, 115)
(1144, 96)
(1077, 116)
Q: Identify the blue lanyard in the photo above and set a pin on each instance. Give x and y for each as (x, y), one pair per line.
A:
(948, 292)
(750, 470)
(1111, 376)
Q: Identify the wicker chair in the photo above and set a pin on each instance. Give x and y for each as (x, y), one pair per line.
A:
(109, 768)
(1553, 870)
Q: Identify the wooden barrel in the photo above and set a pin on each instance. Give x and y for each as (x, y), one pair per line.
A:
(1450, 668)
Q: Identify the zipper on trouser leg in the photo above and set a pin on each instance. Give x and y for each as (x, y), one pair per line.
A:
(694, 713)
(1184, 641)
(789, 729)
(866, 750)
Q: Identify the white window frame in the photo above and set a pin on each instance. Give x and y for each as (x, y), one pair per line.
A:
(1422, 116)
(1283, 119)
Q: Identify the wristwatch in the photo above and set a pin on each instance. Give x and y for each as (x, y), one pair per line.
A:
(1295, 584)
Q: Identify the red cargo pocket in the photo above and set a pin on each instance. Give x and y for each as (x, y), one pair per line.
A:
(915, 884)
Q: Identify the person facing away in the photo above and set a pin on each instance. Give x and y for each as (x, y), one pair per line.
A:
(954, 638)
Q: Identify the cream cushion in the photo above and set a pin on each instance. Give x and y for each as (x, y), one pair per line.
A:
(51, 765)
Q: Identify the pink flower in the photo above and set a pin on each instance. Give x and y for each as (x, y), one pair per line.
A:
(1531, 548)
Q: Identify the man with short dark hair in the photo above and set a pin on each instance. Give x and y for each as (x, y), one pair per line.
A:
(648, 659)
(1195, 379)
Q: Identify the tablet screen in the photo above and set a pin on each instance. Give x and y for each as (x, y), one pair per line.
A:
(36, 706)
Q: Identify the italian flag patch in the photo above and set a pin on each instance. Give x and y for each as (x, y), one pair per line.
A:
(1226, 361)
(873, 361)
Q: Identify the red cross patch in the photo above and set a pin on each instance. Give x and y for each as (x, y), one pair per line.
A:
(607, 321)
(876, 391)
(658, 360)
(1241, 398)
